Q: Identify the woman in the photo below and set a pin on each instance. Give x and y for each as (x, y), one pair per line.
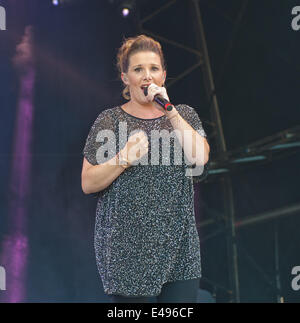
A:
(146, 241)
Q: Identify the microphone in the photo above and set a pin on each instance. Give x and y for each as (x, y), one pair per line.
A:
(160, 100)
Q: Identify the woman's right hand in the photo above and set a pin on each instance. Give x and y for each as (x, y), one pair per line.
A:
(136, 147)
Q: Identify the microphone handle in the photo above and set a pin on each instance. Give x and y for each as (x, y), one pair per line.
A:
(163, 102)
(160, 100)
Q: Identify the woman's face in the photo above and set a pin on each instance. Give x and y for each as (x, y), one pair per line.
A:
(144, 68)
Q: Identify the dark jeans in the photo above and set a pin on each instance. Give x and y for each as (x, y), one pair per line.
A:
(180, 291)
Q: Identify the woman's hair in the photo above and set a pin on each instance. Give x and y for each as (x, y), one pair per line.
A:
(132, 46)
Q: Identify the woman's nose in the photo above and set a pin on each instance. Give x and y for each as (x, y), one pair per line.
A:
(147, 75)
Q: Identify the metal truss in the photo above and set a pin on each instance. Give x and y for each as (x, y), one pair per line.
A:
(280, 145)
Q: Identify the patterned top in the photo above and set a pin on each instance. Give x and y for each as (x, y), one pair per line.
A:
(145, 230)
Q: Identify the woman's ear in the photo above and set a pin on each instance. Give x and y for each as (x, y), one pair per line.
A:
(124, 78)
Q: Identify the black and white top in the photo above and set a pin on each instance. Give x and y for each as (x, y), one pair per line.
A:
(145, 230)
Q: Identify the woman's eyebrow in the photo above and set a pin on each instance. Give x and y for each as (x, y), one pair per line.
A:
(142, 65)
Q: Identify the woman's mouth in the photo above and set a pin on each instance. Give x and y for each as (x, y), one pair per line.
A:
(145, 89)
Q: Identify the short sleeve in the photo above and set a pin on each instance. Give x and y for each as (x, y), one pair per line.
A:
(192, 117)
(104, 121)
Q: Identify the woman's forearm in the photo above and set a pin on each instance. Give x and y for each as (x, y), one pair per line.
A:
(97, 178)
(195, 146)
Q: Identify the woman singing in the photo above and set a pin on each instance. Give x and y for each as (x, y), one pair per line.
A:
(146, 240)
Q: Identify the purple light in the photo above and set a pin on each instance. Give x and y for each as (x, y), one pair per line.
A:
(15, 249)
(15, 263)
(55, 2)
(125, 12)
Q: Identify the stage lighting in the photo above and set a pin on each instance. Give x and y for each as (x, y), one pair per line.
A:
(127, 7)
(66, 3)
(125, 12)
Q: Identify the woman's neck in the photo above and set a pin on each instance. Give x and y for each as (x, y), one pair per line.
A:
(145, 111)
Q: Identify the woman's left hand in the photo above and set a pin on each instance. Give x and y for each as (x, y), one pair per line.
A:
(153, 90)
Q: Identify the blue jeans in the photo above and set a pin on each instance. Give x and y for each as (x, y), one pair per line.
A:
(180, 291)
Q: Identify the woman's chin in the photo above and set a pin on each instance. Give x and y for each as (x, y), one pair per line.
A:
(142, 101)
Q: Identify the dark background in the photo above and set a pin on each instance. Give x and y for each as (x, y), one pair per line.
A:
(258, 93)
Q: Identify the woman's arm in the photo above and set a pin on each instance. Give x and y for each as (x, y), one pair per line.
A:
(189, 139)
(95, 178)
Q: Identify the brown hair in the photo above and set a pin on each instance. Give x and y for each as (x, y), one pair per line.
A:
(133, 45)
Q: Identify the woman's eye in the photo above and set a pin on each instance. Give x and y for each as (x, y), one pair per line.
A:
(138, 69)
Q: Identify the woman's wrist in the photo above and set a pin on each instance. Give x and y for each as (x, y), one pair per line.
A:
(122, 160)
(172, 114)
